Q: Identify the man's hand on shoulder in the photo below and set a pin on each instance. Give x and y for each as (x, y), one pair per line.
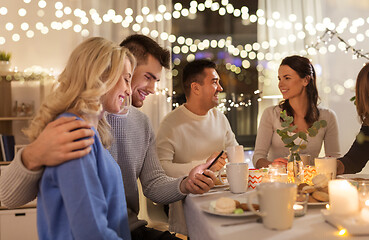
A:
(57, 143)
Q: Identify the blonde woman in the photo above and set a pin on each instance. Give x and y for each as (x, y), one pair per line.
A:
(84, 198)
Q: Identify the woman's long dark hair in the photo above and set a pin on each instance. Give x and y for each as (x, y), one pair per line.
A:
(303, 68)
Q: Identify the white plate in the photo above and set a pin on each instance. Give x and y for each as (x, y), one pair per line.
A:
(220, 186)
(208, 208)
(353, 176)
(353, 224)
(317, 203)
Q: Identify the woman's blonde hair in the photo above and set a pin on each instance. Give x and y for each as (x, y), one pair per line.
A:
(93, 68)
(362, 98)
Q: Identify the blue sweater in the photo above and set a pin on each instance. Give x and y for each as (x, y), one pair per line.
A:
(83, 198)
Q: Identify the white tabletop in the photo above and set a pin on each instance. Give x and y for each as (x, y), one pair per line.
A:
(202, 225)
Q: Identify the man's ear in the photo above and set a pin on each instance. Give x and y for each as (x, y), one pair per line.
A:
(195, 88)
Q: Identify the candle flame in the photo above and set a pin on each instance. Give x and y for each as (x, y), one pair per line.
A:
(327, 206)
(342, 232)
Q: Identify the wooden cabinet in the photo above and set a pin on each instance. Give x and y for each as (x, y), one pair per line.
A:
(18, 224)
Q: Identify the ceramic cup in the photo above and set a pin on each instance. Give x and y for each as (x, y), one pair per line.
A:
(237, 176)
(235, 154)
(327, 166)
(276, 202)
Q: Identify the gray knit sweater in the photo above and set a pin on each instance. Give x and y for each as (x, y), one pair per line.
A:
(135, 151)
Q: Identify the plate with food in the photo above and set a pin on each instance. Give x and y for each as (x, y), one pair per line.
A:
(355, 177)
(318, 191)
(221, 185)
(228, 207)
(317, 203)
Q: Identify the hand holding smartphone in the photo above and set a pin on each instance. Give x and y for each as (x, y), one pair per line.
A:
(215, 161)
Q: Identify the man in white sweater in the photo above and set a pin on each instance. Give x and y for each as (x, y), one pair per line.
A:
(134, 149)
(194, 131)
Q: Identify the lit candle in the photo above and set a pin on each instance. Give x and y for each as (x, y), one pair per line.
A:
(299, 210)
(343, 197)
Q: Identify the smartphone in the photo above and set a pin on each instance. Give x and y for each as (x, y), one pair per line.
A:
(215, 160)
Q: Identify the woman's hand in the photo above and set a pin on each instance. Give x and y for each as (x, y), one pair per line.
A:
(280, 162)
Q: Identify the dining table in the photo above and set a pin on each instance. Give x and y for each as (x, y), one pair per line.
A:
(209, 226)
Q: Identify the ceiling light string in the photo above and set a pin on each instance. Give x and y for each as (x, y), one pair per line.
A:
(343, 45)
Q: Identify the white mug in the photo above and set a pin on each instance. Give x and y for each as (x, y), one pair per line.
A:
(235, 154)
(326, 166)
(237, 176)
(276, 202)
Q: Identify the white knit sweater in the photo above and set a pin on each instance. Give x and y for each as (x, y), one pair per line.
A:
(270, 146)
(185, 140)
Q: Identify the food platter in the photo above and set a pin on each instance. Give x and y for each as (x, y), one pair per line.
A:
(355, 177)
(208, 208)
(221, 185)
(317, 203)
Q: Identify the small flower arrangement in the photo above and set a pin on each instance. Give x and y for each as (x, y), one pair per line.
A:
(289, 136)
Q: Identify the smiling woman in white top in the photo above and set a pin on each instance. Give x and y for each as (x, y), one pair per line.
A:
(297, 83)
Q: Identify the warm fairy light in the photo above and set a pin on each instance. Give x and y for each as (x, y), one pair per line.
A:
(59, 13)
(42, 4)
(9, 26)
(67, 10)
(30, 34)
(162, 8)
(155, 34)
(85, 33)
(58, 5)
(3, 10)
(145, 10)
(77, 28)
(128, 11)
(16, 37)
(22, 12)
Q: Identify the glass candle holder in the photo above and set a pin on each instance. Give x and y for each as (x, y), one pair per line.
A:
(363, 192)
(300, 206)
(309, 173)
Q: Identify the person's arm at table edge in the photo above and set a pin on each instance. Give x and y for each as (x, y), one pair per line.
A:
(357, 157)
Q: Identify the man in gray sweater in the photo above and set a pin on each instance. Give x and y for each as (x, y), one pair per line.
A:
(134, 149)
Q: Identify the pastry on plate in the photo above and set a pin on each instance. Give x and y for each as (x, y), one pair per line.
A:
(225, 205)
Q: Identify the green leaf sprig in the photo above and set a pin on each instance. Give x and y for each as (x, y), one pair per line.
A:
(5, 56)
(289, 136)
(361, 138)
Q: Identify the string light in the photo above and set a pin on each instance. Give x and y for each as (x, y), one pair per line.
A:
(249, 51)
(346, 46)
